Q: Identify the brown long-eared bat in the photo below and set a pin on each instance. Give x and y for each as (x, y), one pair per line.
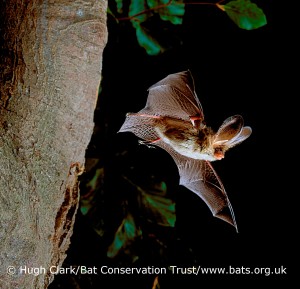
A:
(173, 120)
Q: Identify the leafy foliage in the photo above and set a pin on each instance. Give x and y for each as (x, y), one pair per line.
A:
(144, 206)
(147, 41)
(119, 5)
(87, 200)
(172, 11)
(158, 207)
(243, 13)
(125, 234)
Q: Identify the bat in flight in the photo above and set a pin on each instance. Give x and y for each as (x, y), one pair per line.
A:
(173, 120)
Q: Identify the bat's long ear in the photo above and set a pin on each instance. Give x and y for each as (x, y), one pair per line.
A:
(232, 132)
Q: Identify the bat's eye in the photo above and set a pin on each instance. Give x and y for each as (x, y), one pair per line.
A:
(218, 150)
(218, 153)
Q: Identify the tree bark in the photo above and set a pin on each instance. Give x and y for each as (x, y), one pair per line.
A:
(51, 61)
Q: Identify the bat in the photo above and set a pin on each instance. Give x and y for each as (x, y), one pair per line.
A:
(173, 120)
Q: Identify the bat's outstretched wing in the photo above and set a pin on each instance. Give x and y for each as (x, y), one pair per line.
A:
(200, 177)
(174, 96)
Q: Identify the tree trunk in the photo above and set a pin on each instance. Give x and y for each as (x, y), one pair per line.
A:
(51, 61)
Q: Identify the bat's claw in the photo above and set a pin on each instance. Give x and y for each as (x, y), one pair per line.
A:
(197, 121)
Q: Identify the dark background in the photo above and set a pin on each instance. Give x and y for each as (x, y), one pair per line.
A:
(235, 72)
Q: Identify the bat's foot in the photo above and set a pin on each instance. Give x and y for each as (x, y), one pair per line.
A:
(148, 143)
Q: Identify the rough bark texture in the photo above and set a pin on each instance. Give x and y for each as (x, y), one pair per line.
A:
(51, 61)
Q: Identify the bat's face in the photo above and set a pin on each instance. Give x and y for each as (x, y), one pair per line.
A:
(219, 152)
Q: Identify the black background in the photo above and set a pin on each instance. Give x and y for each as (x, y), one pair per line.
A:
(235, 72)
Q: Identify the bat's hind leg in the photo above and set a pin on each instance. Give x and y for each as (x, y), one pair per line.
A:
(149, 143)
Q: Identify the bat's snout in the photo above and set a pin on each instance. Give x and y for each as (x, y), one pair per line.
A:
(219, 155)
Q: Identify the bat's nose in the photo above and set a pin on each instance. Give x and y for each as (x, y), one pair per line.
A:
(219, 155)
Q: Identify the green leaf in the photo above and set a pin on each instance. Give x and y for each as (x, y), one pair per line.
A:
(136, 8)
(173, 11)
(119, 5)
(145, 40)
(125, 234)
(160, 209)
(157, 207)
(87, 201)
(141, 10)
(110, 12)
(245, 14)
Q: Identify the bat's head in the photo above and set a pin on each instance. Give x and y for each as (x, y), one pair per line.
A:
(231, 133)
